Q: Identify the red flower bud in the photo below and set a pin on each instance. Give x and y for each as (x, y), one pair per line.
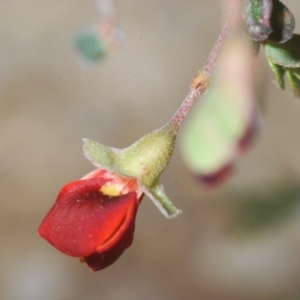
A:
(94, 218)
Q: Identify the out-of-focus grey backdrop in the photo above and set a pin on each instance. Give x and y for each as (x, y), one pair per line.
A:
(50, 99)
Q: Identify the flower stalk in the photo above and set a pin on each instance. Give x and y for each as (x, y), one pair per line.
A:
(93, 218)
(199, 83)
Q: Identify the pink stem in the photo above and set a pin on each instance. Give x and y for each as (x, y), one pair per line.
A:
(200, 82)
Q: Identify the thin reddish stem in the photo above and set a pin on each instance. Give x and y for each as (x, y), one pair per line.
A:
(199, 83)
(207, 69)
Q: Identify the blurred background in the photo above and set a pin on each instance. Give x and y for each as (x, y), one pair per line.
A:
(239, 241)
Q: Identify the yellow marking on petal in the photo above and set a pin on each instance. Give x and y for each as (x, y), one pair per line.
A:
(110, 190)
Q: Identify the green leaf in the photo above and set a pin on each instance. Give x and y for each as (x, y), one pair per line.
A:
(279, 74)
(282, 22)
(90, 45)
(293, 76)
(287, 54)
(258, 18)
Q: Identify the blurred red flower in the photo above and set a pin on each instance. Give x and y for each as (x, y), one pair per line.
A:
(94, 218)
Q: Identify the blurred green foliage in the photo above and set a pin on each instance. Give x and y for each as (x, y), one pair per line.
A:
(260, 210)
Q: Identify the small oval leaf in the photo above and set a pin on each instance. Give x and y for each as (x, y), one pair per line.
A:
(258, 18)
(287, 54)
(282, 22)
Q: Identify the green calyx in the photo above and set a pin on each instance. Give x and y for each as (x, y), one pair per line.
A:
(145, 160)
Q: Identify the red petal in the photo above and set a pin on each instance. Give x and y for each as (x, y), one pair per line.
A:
(84, 221)
(106, 256)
